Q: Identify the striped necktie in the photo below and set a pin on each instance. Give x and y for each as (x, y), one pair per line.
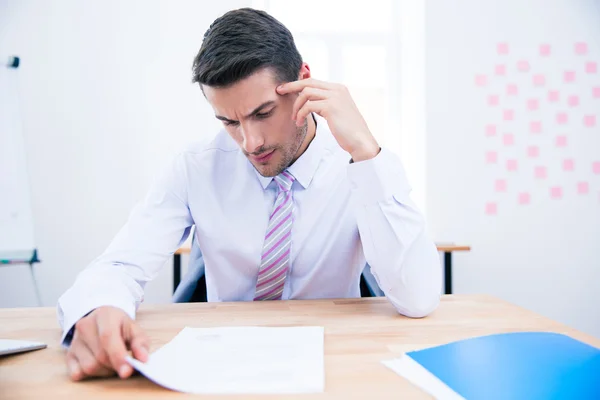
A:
(275, 260)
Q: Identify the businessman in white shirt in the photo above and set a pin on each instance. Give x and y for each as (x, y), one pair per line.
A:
(289, 201)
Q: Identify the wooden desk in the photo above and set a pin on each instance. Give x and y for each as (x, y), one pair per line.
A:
(447, 249)
(359, 333)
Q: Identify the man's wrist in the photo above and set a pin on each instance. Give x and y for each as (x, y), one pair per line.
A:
(365, 152)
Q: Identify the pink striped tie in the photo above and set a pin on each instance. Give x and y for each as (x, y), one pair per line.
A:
(275, 260)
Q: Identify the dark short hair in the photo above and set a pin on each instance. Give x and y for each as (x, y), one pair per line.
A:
(240, 43)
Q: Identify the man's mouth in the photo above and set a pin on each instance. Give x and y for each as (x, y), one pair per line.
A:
(263, 158)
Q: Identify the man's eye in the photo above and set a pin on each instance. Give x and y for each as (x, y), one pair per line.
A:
(264, 115)
(231, 123)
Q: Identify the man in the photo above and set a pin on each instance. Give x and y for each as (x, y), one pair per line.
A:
(289, 201)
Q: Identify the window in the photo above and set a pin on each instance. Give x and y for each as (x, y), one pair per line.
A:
(376, 49)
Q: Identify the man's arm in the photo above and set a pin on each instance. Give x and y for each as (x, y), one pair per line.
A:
(404, 261)
(155, 229)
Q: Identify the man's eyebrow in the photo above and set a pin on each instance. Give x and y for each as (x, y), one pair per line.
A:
(259, 108)
(253, 113)
(225, 119)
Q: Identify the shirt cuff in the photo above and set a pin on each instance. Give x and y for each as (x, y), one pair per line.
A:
(379, 179)
(70, 317)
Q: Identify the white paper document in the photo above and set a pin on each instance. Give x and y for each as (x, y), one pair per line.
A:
(418, 375)
(239, 360)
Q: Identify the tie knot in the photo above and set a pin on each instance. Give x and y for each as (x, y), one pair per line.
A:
(284, 180)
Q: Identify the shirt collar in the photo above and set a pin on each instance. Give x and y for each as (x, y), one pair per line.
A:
(305, 167)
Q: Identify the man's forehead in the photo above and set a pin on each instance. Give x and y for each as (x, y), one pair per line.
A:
(263, 80)
(242, 98)
(244, 106)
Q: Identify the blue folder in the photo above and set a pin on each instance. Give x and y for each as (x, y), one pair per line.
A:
(527, 365)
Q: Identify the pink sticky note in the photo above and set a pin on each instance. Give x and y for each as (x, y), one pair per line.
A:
(540, 172)
(523, 66)
(553, 95)
(583, 187)
(535, 126)
(502, 48)
(491, 157)
(545, 49)
(591, 67)
(596, 167)
(508, 115)
(568, 164)
(524, 198)
(511, 165)
(533, 151)
(573, 101)
(556, 192)
(480, 80)
(596, 92)
(562, 118)
(500, 185)
(490, 130)
(490, 209)
(533, 104)
(581, 48)
(500, 69)
(493, 100)
(589, 121)
(508, 139)
(561, 141)
(539, 80)
(569, 76)
(512, 89)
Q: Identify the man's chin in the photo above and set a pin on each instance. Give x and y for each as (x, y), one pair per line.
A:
(266, 170)
(271, 168)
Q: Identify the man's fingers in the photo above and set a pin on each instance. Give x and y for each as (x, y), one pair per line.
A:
(296, 86)
(81, 362)
(139, 350)
(308, 107)
(92, 341)
(88, 363)
(138, 341)
(125, 371)
(75, 371)
(111, 339)
(308, 93)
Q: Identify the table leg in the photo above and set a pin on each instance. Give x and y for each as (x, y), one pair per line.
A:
(35, 286)
(448, 272)
(176, 271)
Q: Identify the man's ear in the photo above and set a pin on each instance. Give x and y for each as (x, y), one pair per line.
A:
(304, 72)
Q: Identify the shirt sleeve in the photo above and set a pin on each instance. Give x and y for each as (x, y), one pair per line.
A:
(156, 227)
(403, 259)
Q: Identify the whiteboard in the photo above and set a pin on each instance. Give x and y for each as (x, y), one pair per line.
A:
(16, 217)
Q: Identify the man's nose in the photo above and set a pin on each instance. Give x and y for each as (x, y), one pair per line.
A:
(252, 138)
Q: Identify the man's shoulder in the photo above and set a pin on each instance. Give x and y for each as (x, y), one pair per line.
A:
(221, 142)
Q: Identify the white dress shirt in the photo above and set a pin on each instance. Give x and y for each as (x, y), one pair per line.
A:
(345, 215)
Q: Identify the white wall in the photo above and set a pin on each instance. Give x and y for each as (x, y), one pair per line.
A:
(106, 100)
(544, 255)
